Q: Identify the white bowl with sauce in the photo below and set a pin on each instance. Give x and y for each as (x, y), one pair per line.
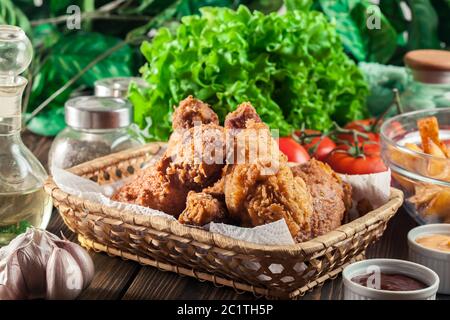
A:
(417, 272)
(433, 256)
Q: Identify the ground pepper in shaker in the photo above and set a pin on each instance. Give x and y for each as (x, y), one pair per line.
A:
(96, 126)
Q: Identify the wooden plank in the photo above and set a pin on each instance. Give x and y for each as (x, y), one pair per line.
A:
(151, 283)
(394, 243)
(112, 277)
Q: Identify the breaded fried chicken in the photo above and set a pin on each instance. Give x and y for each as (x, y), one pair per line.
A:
(236, 121)
(193, 160)
(239, 117)
(206, 206)
(203, 208)
(198, 159)
(155, 189)
(217, 190)
(191, 111)
(237, 176)
(331, 197)
(261, 188)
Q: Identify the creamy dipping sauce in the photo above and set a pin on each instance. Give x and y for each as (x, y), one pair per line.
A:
(440, 242)
(389, 282)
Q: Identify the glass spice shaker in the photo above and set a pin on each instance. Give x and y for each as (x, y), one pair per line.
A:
(117, 87)
(428, 83)
(96, 127)
(23, 201)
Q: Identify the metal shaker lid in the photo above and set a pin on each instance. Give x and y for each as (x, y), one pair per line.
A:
(429, 66)
(90, 112)
(116, 87)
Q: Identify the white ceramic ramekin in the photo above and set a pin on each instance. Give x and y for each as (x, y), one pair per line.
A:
(354, 291)
(438, 261)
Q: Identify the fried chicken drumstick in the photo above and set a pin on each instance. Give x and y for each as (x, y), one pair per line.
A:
(165, 185)
(331, 197)
(260, 187)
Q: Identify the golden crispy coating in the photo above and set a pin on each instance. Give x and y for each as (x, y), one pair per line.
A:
(202, 208)
(193, 160)
(238, 118)
(191, 111)
(217, 190)
(258, 199)
(262, 188)
(198, 159)
(154, 189)
(331, 197)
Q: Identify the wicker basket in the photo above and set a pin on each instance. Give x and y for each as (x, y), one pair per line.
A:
(271, 271)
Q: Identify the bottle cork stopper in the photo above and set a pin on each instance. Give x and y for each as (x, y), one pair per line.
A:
(428, 60)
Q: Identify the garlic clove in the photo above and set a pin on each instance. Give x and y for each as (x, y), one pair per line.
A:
(12, 284)
(82, 257)
(20, 241)
(64, 276)
(33, 267)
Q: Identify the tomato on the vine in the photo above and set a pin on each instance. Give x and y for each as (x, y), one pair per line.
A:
(368, 127)
(318, 146)
(357, 159)
(293, 150)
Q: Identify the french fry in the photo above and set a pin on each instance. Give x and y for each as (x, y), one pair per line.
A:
(429, 132)
(435, 150)
(440, 205)
(438, 167)
(430, 200)
(424, 193)
(407, 161)
(413, 147)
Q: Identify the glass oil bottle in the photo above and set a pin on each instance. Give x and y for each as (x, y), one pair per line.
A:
(23, 201)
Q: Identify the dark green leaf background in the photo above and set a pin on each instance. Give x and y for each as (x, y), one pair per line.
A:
(428, 27)
(68, 56)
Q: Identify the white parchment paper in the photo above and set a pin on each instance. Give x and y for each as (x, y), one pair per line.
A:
(373, 187)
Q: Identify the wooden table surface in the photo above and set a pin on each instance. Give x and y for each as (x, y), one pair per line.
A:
(118, 279)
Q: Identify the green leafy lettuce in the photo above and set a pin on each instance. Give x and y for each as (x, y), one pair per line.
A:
(292, 68)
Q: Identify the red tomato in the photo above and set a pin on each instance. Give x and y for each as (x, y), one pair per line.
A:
(344, 160)
(365, 126)
(317, 147)
(293, 150)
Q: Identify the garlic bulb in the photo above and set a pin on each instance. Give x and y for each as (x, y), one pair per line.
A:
(38, 264)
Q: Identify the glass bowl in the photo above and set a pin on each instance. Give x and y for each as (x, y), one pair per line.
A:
(425, 179)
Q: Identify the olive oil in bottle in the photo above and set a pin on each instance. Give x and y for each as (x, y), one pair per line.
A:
(23, 201)
(21, 210)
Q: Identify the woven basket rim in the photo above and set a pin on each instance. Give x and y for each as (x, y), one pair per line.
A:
(206, 237)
